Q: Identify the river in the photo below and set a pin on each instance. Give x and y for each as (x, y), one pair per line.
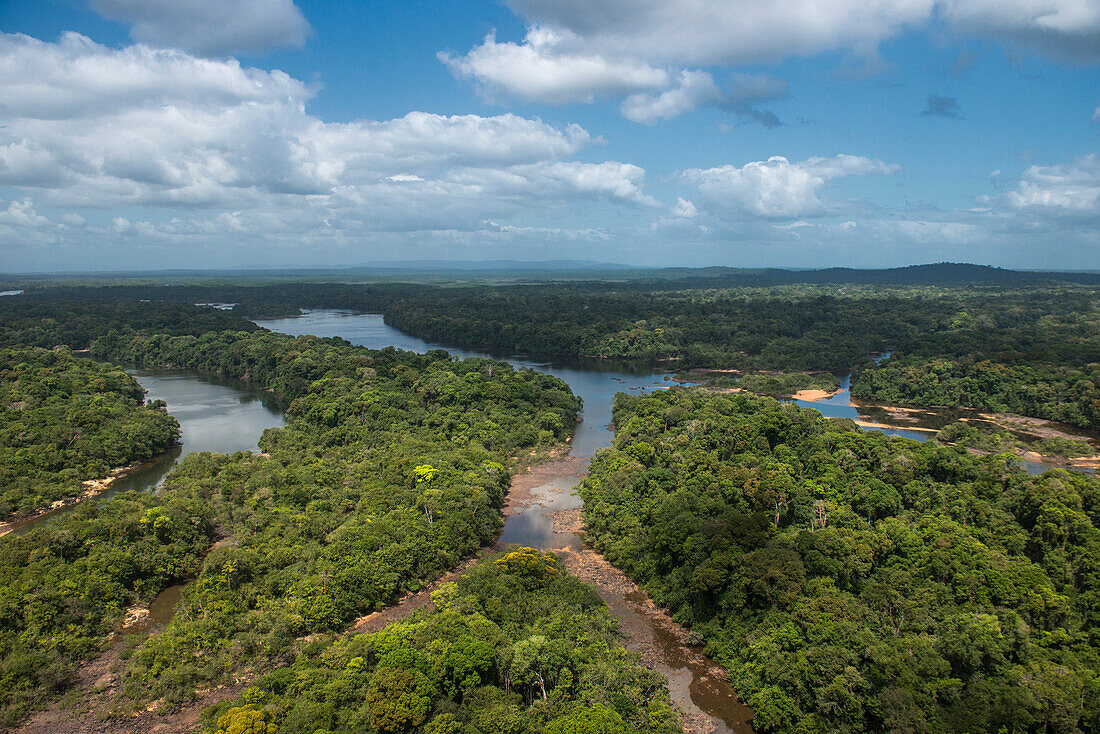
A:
(213, 416)
(700, 693)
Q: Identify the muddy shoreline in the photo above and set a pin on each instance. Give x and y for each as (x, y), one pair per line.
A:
(647, 629)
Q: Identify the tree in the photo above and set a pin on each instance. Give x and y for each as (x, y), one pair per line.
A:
(247, 720)
(398, 700)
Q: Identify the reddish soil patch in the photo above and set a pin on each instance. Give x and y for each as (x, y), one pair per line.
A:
(520, 495)
(409, 603)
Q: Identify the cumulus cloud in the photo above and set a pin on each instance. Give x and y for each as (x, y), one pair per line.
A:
(692, 90)
(684, 209)
(210, 27)
(537, 70)
(22, 214)
(232, 151)
(1069, 29)
(94, 126)
(777, 188)
(580, 50)
(942, 107)
(1066, 190)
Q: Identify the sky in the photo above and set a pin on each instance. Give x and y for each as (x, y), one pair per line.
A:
(146, 134)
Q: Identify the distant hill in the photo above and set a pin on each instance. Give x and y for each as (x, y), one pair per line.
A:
(933, 274)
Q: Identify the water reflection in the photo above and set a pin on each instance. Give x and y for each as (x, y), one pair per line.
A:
(595, 381)
(213, 415)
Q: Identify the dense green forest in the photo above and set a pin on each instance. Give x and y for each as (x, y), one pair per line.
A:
(392, 467)
(64, 420)
(790, 328)
(776, 384)
(516, 646)
(855, 582)
(950, 327)
(65, 585)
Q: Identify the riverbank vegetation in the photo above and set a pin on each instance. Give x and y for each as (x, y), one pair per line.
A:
(65, 420)
(64, 586)
(1053, 392)
(775, 384)
(391, 468)
(851, 581)
(515, 646)
(1022, 342)
(49, 321)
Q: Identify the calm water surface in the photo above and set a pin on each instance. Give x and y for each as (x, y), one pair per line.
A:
(213, 416)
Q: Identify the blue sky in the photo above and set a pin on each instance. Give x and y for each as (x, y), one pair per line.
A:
(138, 134)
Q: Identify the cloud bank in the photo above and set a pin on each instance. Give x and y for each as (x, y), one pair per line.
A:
(644, 50)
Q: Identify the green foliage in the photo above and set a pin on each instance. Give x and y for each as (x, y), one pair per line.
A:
(77, 317)
(787, 384)
(330, 523)
(65, 420)
(855, 582)
(246, 720)
(65, 585)
(519, 646)
(389, 470)
(993, 438)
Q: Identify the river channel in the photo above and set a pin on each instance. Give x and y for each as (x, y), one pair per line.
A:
(692, 679)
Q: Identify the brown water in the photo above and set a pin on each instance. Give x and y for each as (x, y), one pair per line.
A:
(542, 513)
(161, 611)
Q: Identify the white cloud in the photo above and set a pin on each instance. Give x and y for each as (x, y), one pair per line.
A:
(535, 70)
(213, 150)
(579, 50)
(692, 90)
(1066, 28)
(210, 27)
(94, 126)
(777, 188)
(22, 214)
(684, 208)
(717, 32)
(1071, 189)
